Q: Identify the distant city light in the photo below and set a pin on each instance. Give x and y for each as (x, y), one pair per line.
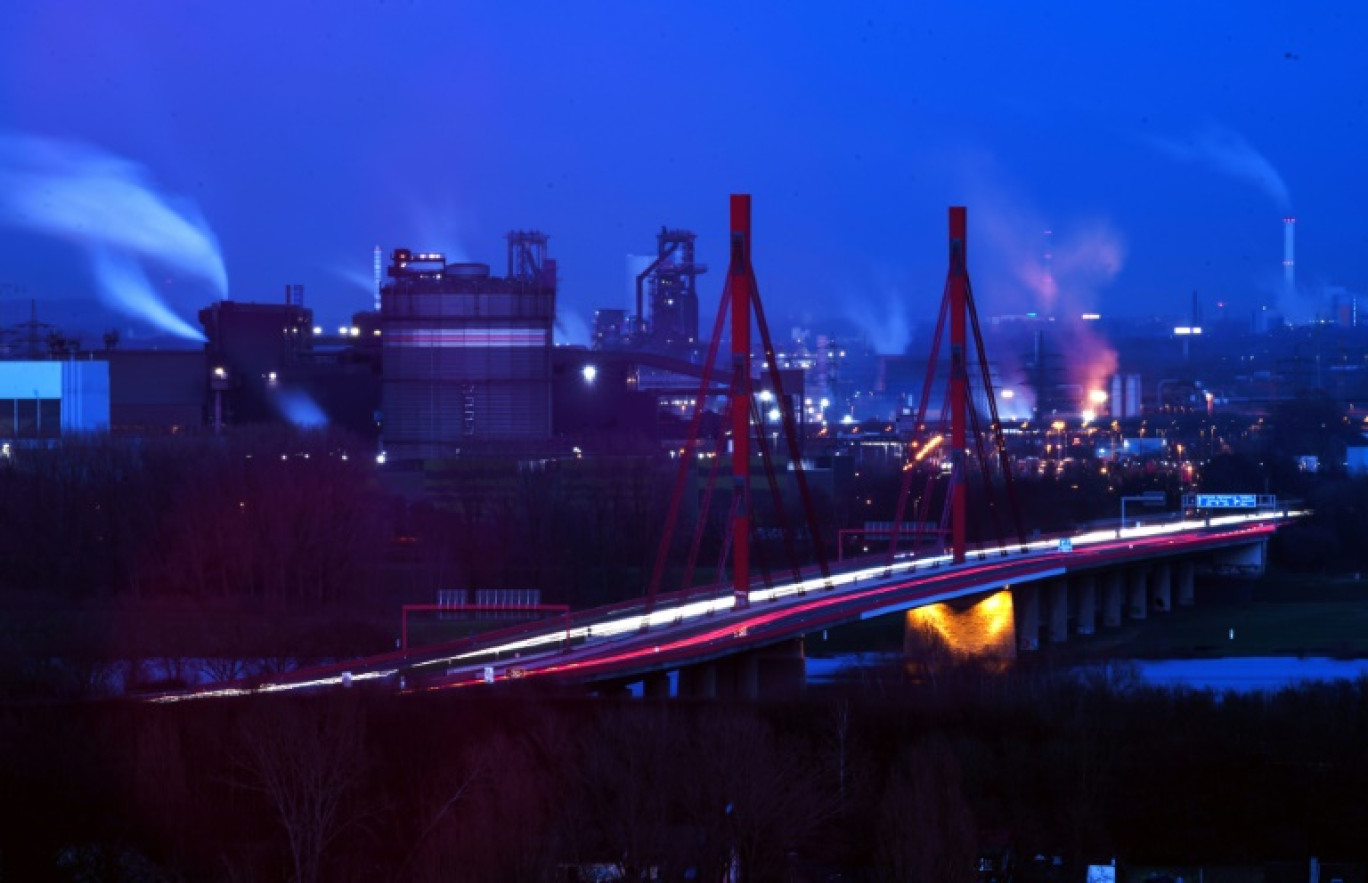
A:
(1187, 329)
(1097, 396)
(1091, 317)
(774, 414)
(589, 373)
(766, 395)
(1008, 394)
(380, 458)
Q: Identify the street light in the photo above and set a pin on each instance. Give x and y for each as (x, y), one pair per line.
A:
(1148, 498)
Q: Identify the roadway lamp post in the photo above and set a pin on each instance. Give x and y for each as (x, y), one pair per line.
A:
(1148, 498)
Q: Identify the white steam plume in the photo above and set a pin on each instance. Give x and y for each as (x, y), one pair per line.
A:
(1227, 152)
(882, 317)
(571, 329)
(124, 285)
(300, 409)
(109, 206)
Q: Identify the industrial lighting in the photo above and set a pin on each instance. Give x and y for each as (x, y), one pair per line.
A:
(221, 372)
(1097, 396)
(1091, 317)
(380, 458)
(774, 414)
(766, 396)
(589, 373)
(1008, 394)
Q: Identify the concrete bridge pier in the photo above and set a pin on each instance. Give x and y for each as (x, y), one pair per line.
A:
(1187, 577)
(1112, 591)
(1059, 611)
(656, 685)
(1161, 588)
(698, 681)
(1138, 601)
(738, 677)
(1026, 608)
(782, 669)
(1085, 590)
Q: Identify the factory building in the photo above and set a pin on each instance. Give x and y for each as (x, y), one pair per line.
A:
(49, 400)
(467, 355)
(249, 345)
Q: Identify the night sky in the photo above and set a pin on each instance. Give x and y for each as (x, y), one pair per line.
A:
(205, 148)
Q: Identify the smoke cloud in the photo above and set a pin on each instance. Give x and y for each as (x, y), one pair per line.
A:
(301, 410)
(882, 319)
(109, 206)
(571, 328)
(1227, 152)
(125, 286)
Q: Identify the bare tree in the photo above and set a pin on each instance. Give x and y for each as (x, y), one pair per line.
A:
(925, 830)
(305, 757)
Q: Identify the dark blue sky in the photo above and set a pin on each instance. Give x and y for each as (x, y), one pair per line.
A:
(1161, 143)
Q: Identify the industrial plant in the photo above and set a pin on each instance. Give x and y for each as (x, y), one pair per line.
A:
(456, 362)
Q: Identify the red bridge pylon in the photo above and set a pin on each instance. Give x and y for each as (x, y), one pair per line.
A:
(929, 449)
(741, 301)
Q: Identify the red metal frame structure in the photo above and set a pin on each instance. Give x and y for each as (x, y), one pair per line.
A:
(958, 302)
(740, 299)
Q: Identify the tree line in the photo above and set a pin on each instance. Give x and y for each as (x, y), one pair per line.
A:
(896, 780)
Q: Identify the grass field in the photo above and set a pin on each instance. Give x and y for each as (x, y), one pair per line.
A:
(1279, 615)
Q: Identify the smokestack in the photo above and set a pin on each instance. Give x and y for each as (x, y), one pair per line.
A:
(377, 278)
(1289, 261)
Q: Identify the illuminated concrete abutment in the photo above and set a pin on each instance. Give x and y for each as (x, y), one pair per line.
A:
(982, 629)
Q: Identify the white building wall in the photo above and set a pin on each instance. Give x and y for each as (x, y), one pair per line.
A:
(81, 386)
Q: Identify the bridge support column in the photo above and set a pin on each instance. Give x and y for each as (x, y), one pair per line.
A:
(738, 677)
(1059, 611)
(698, 681)
(656, 685)
(1138, 608)
(1112, 592)
(1187, 576)
(1085, 589)
(782, 670)
(1026, 608)
(1161, 592)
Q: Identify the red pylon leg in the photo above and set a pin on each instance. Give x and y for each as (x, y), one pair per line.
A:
(959, 379)
(740, 284)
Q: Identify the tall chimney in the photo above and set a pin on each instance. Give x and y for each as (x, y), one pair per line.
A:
(1289, 261)
(378, 279)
